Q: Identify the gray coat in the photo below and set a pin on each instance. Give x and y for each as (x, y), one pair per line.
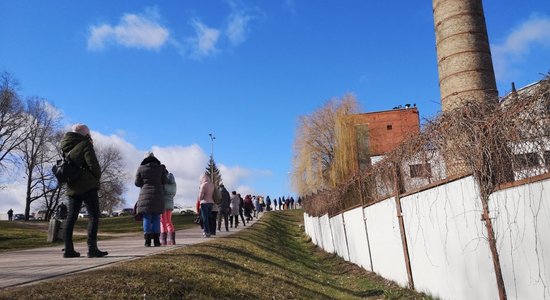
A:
(150, 177)
(170, 190)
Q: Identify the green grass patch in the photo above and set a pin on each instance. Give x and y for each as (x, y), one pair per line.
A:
(272, 260)
(18, 235)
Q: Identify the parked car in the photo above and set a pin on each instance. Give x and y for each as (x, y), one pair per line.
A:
(83, 214)
(126, 212)
(18, 217)
(41, 215)
(178, 210)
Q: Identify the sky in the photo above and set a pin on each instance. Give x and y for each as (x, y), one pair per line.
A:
(162, 75)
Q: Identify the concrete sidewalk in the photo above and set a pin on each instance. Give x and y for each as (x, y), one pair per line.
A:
(29, 266)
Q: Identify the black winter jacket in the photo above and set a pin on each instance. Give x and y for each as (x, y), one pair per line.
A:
(83, 154)
(150, 177)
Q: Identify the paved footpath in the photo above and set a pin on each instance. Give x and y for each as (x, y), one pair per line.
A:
(33, 265)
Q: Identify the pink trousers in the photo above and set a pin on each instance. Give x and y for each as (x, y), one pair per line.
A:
(166, 222)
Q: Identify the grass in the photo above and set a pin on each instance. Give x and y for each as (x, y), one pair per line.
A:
(271, 260)
(20, 235)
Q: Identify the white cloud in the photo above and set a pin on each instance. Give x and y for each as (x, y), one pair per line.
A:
(187, 163)
(237, 27)
(519, 43)
(204, 43)
(133, 31)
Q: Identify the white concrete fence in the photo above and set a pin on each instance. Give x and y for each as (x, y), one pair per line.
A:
(447, 240)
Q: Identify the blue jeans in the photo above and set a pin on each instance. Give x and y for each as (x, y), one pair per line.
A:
(206, 210)
(151, 223)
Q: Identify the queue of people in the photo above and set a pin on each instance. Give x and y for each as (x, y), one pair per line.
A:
(215, 205)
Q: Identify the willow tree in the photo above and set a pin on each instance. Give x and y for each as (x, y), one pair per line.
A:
(322, 153)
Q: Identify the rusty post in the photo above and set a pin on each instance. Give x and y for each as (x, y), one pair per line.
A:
(493, 246)
(398, 187)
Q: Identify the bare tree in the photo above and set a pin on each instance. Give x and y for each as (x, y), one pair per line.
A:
(321, 146)
(113, 176)
(11, 119)
(36, 150)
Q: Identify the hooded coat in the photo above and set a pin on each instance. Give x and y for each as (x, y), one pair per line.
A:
(206, 192)
(170, 190)
(83, 154)
(150, 177)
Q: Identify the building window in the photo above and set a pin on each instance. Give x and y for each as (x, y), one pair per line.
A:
(421, 171)
(527, 160)
(389, 127)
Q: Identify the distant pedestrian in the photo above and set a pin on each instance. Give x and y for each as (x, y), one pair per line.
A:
(62, 211)
(150, 178)
(78, 146)
(241, 209)
(224, 208)
(274, 203)
(257, 207)
(248, 207)
(167, 232)
(206, 198)
(267, 204)
(280, 202)
(234, 206)
(10, 215)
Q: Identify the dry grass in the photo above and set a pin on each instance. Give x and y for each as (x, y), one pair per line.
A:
(272, 260)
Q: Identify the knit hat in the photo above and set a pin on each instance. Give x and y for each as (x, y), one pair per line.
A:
(149, 154)
(81, 129)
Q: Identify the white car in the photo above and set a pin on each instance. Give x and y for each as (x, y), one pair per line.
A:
(83, 214)
(178, 210)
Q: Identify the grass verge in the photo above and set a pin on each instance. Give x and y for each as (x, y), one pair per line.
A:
(18, 235)
(271, 260)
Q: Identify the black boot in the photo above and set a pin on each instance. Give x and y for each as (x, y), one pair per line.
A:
(147, 237)
(156, 239)
(164, 238)
(69, 252)
(172, 238)
(93, 251)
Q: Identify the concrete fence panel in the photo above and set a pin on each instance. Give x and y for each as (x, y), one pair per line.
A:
(450, 256)
(385, 241)
(521, 218)
(359, 252)
(339, 236)
(328, 241)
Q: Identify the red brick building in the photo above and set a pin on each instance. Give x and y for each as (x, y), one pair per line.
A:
(382, 131)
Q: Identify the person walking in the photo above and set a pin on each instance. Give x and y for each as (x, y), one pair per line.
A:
(241, 209)
(206, 197)
(167, 232)
(248, 207)
(257, 208)
(234, 209)
(224, 208)
(274, 203)
(150, 178)
(78, 146)
(267, 204)
(10, 215)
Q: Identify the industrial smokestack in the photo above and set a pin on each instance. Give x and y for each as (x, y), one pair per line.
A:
(463, 54)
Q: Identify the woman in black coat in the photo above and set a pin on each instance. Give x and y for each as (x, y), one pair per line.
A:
(150, 177)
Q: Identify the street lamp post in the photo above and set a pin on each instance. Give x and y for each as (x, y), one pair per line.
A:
(212, 138)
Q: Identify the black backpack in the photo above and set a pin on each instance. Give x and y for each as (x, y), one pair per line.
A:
(66, 170)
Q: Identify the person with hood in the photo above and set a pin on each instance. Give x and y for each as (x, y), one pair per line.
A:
(206, 198)
(78, 146)
(224, 208)
(234, 209)
(150, 178)
(167, 232)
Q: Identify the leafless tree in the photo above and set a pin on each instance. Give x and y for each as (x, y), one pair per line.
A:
(36, 151)
(11, 119)
(113, 176)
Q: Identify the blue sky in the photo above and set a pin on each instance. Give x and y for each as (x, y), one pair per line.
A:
(163, 75)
